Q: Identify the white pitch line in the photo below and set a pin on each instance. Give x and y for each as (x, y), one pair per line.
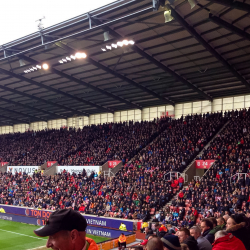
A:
(22, 234)
(36, 248)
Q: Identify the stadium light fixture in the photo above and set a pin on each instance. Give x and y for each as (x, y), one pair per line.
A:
(45, 66)
(78, 55)
(192, 3)
(167, 16)
(122, 43)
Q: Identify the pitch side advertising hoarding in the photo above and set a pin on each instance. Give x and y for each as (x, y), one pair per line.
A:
(27, 169)
(98, 231)
(78, 169)
(44, 214)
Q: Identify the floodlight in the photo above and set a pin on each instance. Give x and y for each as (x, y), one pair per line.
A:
(192, 3)
(21, 62)
(25, 71)
(103, 49)
(38, 66)
(78, 55)
(125, 42)
(167, 15)
(60, 61)
(34, 68)
(45, 66)
(131, 42)
(64, 60)
(108, 47)
(69, 59)
(73, 57)
(120, 44)
(114, 45)
(106, 36)
(83, 55)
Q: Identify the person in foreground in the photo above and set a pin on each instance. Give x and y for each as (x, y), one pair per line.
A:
(66, 229)
(224, 241)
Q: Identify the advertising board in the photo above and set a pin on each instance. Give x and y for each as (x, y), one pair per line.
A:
(78, 169)
(27, 169)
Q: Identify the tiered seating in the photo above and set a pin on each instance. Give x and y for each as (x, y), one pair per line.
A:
(225, 187)
(138, 189)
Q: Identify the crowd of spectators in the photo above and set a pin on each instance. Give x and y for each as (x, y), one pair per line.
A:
(137, 188)
(91, 145)
(224, 189)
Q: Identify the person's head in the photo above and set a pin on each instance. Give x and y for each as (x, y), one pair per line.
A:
(214, 221)
(154, 243)
(226, 217)
(220, 234)
(171, 242)
(146, 230)
(183, 234)
(152, 236)
(206, 224)
(184, 247)
(221, 221)
(122, 234)
(195, 232)
(66, 230)
(237, 219)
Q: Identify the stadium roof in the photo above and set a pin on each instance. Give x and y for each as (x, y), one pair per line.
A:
(203, 53)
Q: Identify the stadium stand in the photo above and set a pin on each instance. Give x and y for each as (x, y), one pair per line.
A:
(138, 189)
(224, 189)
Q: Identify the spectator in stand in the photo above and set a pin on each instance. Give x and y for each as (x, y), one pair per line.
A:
(186, 238)
(239, 226)
(224, 241)
(171, 242)
(203, 243)
(154, 244)
(206, 227)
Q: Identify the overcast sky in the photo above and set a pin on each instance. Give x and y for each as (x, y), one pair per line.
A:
(18, 17)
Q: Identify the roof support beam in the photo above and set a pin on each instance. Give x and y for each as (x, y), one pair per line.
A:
(52, 115)
(233, 4)
(193, 32)
(14, 120)
(34, 97)
(25, 115)
(123, 78)
(157, 63)
(229, 26)
(73, 79)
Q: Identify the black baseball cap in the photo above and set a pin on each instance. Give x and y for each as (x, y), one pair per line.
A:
(64, 219)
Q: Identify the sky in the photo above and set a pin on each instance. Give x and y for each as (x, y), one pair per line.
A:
(18, 17)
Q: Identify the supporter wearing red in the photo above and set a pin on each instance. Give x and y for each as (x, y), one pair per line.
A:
(239, 226)
(225, 241)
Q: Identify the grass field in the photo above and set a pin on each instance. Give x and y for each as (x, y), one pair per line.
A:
(19, 236)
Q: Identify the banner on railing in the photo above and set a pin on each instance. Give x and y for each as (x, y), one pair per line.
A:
(44, 214)
(50, 163)
(204, 164)
(3, 163)
(78, 169)
(23, 169)
(112, 164)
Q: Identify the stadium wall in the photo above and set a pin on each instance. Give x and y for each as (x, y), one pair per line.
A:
(147, 114)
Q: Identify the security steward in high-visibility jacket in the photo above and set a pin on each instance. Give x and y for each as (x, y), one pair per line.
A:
(123, 227)
(122, 241)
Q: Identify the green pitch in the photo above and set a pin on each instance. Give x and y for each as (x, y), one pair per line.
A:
(15, 235)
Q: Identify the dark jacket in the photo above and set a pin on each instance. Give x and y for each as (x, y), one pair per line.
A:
(208, 236)
(191, 243)
(241, 232)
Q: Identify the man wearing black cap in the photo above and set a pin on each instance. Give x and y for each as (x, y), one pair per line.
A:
(66, 231)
